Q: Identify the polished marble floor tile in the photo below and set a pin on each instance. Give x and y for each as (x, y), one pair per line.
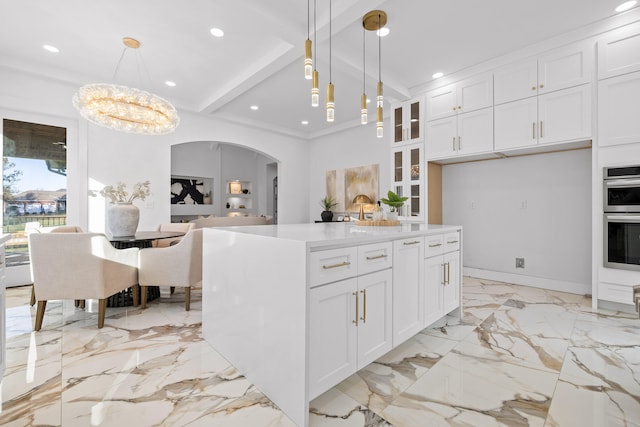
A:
(519, 356)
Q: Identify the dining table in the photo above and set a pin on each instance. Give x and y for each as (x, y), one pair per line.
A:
(142, 239)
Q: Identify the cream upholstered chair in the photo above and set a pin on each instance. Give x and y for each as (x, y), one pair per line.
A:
(79, 266)
(182, 227)
(177, 265)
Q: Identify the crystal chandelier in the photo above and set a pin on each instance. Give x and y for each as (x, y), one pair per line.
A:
(126, 109)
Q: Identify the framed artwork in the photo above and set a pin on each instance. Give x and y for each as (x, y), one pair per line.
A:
(235, 188)
(190, 190)
(345, 184)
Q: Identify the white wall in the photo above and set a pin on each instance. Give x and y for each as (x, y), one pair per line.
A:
(535, 207)
(106, 156)
(353, 147)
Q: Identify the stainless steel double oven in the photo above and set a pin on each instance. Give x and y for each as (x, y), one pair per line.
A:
(622, 217)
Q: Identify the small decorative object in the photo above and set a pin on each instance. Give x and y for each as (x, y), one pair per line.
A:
(235, 187)
(245, 190)
(394, 202)
(327, 204)
(122, 215)
(207, 198)
(228, 205)
(378, 215)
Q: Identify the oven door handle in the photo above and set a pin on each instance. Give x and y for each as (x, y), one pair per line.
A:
(622, 183)
(625, 218)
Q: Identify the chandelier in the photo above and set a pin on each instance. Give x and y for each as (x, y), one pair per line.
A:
(126, 109)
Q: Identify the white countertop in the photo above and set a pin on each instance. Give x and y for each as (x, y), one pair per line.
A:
(322, 235)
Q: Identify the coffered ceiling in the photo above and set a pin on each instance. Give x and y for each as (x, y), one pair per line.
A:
(259, 59)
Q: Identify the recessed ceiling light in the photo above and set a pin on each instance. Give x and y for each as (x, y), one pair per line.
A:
(305, 122)
(170, 83)
(254, 107)
(216, 32)
(382, 32)
(50, 48)
(626, 6)
(437, 75)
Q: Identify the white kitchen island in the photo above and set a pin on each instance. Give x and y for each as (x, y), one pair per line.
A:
(297, 308)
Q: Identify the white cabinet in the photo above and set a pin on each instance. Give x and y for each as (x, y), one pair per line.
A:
(407, 121)
(408, 288)
(618, 106)
(467, 95)
(462, 134)
(408, 179)
(562, 68)
(442, 277)
(559, 116)
(619, 52)
(350, 325)
(3, 308)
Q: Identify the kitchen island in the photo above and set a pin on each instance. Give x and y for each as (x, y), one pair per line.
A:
(298, 308)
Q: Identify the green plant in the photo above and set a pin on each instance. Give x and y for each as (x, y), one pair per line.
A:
(328, 203)
(394, 201)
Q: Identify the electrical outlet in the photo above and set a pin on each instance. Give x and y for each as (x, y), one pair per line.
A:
(519, 262)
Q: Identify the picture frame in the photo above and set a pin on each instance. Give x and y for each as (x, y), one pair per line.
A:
(235, 187)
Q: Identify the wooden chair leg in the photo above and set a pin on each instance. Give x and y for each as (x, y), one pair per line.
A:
(40, 314)
(102, 308)
(82, 304)
(143, 296)
(172, 289)
(135, 291)
(187, 298)
(32, 301)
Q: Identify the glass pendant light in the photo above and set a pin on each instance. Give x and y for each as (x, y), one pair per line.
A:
(330, 87)
(363, 100)
(315, 91)
(380, 98)
(308, 60)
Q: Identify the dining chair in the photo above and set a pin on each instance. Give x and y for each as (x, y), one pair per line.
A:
(183, 227)
(179, 265)
(79, 266)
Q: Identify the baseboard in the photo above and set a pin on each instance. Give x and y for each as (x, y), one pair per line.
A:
(536, 282)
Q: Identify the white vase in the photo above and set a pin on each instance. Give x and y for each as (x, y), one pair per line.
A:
(392, 216)
(122, 219)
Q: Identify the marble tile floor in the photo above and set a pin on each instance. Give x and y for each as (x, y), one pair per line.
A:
(520, 356)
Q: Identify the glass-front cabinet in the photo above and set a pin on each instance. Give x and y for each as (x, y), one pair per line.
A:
(407, 122)
(408, 179)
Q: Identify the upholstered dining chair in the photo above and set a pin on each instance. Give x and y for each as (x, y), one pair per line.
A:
(182, 227)
(179, 265)
(79, 266)
(59, 229)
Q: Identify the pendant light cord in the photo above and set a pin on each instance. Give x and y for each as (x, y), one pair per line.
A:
(315, 44)
(364, 74)
(330, 79)
(308, 20)
(379, 49)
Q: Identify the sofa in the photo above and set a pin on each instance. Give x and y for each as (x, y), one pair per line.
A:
(231, 221)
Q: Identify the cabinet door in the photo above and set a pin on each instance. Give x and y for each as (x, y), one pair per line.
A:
(374, 316)
(451, 287)
(441, 138)
(408, 288)
(566, 67)
(397, 112)
(433, 286)
(516, 124)
(565, 115)
(332, 334)
(619, 52)
(415, 180)
(618, 106)
(515, 82)
(414, 111)
(475, 93)
(442, 103)
(475, 132)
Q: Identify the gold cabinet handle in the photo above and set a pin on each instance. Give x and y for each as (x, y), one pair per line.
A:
(533, 130)
(459, 145)
(342, 264)
(533, 88)
(364, 306)
(448, 273)
(371, 258)
(435, 245)
(541, 86)
(454, 108)
(453, 143)
(459, 107)
(355, 322)
(444, 275)
(452, 241)
(415, 242)
(541, 129)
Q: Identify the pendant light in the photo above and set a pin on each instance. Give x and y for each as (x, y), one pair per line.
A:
(374, 21)
(330, 88)
(315, 90)
(308, 60)
(363, 101)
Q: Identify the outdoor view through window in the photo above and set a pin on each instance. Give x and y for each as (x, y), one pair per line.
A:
(34, 168)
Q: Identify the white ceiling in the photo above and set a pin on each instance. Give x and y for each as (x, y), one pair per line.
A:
(259, 60)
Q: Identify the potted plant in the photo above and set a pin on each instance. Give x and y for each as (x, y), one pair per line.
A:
(394, 201)
(327, 204)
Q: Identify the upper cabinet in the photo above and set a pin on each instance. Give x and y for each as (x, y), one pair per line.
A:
(467, 95)
(407, 121)
(619, 52)
(408, 179)
(562, 68)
